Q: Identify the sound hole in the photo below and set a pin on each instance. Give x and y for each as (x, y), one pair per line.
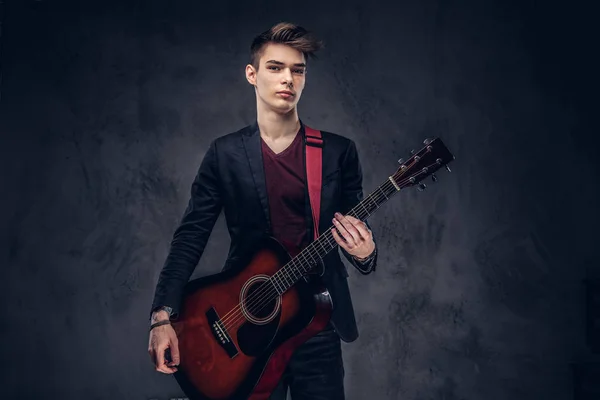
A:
(259, 304)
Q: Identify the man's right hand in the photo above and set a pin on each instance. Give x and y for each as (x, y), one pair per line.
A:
(162, 338)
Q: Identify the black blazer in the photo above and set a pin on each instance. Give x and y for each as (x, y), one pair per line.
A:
(231, 178)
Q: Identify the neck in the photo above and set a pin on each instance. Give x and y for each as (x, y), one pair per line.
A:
(274, 125)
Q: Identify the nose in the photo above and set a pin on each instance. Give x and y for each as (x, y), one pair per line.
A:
(287, 77)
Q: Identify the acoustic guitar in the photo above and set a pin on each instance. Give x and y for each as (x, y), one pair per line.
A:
(237, 329)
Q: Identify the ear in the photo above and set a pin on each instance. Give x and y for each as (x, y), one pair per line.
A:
(251, 74)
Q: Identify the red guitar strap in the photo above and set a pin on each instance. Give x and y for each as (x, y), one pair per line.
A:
(314, 162)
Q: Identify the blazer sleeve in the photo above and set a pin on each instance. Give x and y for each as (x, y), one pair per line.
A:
(352, 194)
(191, 236)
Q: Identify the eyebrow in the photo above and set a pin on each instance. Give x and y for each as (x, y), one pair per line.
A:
(280, 63)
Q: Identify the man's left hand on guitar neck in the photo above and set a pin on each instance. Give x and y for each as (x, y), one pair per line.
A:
(356, 238)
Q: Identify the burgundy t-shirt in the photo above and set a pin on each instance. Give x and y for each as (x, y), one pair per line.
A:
(284, 176)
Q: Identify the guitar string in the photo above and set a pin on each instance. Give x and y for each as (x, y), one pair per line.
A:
(259, 296)
(267, 293)
(268, 286)
(255, 298)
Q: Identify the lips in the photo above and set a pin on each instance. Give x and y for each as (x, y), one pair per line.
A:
(286, 93)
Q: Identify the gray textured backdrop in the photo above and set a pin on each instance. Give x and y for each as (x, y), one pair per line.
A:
(106, 113)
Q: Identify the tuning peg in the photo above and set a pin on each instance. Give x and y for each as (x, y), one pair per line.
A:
(421, 187)
(448, 168)
(412, 152)
(401, 161)
(434, 177)
(427, 141)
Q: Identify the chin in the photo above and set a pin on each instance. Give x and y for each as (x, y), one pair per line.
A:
(283, 108)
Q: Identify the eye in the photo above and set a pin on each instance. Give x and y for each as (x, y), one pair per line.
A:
(273, 67)
(299, 71)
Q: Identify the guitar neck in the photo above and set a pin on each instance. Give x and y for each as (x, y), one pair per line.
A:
(309, 257)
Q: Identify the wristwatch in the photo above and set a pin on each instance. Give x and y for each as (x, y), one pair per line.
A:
(169, 310)
(369, 257)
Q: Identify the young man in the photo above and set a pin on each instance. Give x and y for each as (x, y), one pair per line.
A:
(257, 176)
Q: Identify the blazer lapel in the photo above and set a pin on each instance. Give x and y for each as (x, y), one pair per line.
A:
(253, 147)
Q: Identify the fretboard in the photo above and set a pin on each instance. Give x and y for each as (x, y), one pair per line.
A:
(309, 257)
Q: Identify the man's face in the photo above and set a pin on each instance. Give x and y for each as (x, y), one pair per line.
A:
(280, 78)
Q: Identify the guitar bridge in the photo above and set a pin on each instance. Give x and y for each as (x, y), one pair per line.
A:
(220, 333)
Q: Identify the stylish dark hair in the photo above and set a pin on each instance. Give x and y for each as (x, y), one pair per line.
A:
(285, 33)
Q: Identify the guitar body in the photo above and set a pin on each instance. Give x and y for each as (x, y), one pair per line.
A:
(234, 340)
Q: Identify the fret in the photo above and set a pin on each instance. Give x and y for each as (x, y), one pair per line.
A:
(323, 247)
(324, 244)
(375, 201)
(329, 243)
(283, 276)
(368, 205)
(380, 199)
(282, 273)
(381, 190)
(364, 208)
(293, 272)
(286, 276)
(279, 293)
(280, 280)
(315, 260)
(294, 266)
(304, 257)
(275, 282)
(300, 265)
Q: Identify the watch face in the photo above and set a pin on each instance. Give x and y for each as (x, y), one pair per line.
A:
(169, 310)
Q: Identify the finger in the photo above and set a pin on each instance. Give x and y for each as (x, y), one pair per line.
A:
(174, 353)
(348, 226)
(165, 369)
(160, 358)
(360, 226)
(344, 227)
(364, 233)
(341, 230)
(339, 240)
(152, 356)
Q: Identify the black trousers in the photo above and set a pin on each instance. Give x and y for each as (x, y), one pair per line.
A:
(315, 371)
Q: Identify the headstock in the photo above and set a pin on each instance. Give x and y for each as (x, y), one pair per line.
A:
(432, 157)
